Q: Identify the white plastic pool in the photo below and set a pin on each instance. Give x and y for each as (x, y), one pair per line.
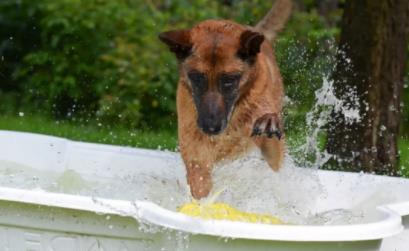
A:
(60, 195)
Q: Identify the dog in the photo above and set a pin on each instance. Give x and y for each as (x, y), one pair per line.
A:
(229, 95)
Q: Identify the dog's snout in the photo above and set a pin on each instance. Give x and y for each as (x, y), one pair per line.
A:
(212, 125)
(212, 129)
(211, 114)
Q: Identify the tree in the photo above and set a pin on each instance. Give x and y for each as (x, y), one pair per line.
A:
(372, 64)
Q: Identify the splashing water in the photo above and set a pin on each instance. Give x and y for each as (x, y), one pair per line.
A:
(247, 184)
(292, 194)
(317, 119)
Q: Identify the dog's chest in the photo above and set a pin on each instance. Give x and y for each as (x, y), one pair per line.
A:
(231, 145)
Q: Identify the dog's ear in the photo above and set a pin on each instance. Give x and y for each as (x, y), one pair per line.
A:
(250, 43)
(178, 42)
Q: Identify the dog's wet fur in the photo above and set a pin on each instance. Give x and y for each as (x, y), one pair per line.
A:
(230, 92)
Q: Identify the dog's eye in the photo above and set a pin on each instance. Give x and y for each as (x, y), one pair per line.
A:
(229, 82)
(198, 79)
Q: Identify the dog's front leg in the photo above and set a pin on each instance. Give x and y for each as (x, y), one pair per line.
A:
(273, 152)
(268, 133)
(199, 178)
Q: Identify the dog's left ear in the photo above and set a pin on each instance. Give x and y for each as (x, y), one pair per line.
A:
(250, 43)
(178, 42)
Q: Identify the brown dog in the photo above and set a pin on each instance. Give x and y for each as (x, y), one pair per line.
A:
(230, 92)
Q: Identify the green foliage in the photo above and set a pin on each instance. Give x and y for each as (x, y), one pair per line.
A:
(18, 36)
(305, 52)
(64, 73)
(102, 59)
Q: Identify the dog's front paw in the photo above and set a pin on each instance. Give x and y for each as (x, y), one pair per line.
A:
(268, 125)
(199, 180)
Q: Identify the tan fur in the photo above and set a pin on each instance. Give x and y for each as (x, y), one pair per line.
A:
(200, 152)
(214, 51)
(275, 19)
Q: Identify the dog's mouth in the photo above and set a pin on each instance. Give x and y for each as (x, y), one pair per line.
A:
(212, 127)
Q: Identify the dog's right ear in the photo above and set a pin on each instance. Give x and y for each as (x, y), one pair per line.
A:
(250, 45)
(178, 42)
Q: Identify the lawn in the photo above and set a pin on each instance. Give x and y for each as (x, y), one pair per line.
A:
(98, 133)
(91, 132)
(404, 155)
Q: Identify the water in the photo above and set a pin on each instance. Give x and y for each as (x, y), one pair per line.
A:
(130, 185)
(293, 194)
(309, 154)
(250, 185)
(296, 195)
(247, 184)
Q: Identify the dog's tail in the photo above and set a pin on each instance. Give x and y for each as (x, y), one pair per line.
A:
(276, 18)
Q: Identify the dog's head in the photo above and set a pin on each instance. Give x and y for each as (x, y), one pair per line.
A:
(217, 63)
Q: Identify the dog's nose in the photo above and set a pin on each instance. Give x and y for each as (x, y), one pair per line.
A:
(214, 129)
(211, 126)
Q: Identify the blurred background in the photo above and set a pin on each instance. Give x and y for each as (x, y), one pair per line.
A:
(94, 70)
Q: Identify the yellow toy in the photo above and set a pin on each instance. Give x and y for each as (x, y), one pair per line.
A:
(222, 211)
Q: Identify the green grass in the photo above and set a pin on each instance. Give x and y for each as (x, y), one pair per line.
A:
(163, 139)
(404, 155)
(91, 132)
